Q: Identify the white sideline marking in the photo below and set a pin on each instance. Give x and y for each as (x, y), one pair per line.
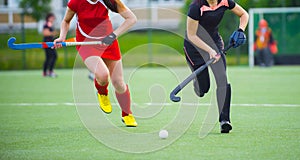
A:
(147, 104)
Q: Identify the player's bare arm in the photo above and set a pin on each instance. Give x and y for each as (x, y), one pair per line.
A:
(192, 27)
(127, 14)
(64, 27)
(244, 17)
(235, 38)
(130, 20)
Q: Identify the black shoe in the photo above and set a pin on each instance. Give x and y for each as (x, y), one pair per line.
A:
(225, 126)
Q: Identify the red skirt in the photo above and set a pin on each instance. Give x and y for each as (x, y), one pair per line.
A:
(111, 52)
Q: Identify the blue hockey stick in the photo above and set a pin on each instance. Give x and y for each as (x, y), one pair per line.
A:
(11, 44)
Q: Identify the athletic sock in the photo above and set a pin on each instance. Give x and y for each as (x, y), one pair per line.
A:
(224, 99)
(124, 102)
(101, 89)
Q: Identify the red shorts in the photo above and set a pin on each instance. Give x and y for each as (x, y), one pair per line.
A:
(111, 52)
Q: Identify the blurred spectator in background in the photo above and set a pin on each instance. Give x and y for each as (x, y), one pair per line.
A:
(265, 45)
(51, 55)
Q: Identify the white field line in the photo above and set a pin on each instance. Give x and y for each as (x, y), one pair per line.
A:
(147, 104)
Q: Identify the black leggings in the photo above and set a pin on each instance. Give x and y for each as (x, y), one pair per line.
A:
(196, 58)
(265, 57)
(51, 57)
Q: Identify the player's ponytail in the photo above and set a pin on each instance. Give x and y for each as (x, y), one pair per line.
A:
(197, 2)
(111, 4)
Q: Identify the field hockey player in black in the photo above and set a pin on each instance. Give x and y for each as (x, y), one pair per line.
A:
(204, 42)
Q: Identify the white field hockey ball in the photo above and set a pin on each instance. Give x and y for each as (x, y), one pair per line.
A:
(163, 134)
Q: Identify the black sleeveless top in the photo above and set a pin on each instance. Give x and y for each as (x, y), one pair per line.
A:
(210, 17)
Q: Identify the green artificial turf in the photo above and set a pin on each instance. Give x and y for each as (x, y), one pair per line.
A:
(38, 118)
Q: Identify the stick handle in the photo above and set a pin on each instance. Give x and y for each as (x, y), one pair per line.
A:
(65, 44)
(227, 48)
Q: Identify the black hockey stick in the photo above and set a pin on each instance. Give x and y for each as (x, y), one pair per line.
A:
(175, 91)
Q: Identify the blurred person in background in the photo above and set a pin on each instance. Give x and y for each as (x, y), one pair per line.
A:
(264, 45)
(50, 53)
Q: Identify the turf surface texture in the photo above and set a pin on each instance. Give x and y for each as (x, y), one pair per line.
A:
(38, 118)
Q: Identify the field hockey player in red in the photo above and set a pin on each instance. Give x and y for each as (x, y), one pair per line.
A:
(103, 60)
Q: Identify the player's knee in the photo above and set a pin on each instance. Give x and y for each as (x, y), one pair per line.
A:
(221, 80)
(199, 93)
(119, 86)
(201, 90)
(102, 77)
(226, 88)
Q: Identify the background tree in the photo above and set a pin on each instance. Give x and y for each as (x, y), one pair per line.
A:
(37, 9)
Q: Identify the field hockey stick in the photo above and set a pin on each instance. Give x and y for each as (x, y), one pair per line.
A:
(21, 46)
(175, 91)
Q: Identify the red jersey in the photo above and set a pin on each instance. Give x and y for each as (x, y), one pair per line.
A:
(92, 19)
(93, 24)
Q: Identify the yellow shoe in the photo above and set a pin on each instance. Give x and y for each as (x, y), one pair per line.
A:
(129, 121)
(104, 103)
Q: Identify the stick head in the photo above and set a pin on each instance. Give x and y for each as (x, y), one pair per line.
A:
(11, 42)
(174, 98)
